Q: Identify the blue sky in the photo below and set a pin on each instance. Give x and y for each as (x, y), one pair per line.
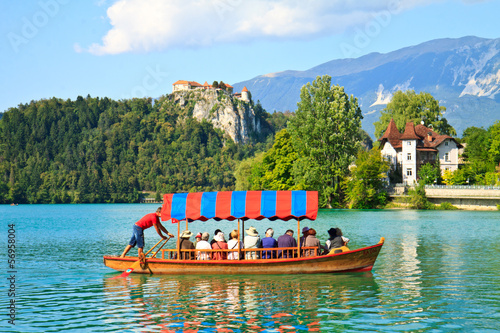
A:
(136, 48)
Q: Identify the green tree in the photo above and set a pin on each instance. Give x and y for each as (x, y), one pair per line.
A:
(494, 149)
(278, 163)
(475, 139)
(248, 173)
(430, 173)
(215, 84)
(478, 157)
(365, 187)
(326, 133)
(409, 106)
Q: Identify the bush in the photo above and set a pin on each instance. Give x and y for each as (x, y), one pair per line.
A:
(417, 198)
(447, 206)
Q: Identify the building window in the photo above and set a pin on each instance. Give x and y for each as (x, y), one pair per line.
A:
(447, 157)
(408, 157)
(408, 172)
(408, 143)
(446, 143)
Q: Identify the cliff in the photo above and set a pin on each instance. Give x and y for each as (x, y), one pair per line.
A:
(233, 116)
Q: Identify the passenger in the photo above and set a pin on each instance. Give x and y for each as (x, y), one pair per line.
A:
(344, 239)
(219, 244)
(336, 243)
(287, 240)
(252, 241)
(233, 244)
(203, 245)
(269, 242)
(198, 238)
(312, 241)
(186, 244)
(305, 232)
(215, 234)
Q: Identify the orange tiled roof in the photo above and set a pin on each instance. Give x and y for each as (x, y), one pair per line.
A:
(244, 89)
(192, 83)
(392, 135)
(427, 139)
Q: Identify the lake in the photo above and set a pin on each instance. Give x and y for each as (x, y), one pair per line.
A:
(437, 272)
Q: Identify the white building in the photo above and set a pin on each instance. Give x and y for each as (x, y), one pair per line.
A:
(417, 146)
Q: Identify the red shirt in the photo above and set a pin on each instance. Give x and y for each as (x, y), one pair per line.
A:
(148, 220)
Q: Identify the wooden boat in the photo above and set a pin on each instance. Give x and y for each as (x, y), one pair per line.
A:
(243, 205)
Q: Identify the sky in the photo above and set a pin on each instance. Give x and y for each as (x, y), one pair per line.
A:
(139, 48)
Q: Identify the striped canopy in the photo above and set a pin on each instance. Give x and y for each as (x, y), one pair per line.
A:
(232, 205)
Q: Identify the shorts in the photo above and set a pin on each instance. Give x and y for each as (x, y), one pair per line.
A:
(137, 237)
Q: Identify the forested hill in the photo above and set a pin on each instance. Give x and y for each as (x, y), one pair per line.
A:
(101, 150)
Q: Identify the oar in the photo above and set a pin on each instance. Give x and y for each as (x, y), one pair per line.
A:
(154, 254)
(137, 263)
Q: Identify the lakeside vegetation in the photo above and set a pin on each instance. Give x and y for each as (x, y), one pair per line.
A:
(95, 150)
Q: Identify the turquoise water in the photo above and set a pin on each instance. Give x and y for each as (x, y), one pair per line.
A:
(437, 272)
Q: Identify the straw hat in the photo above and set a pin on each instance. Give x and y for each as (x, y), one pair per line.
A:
(186, 234)
(252, 231)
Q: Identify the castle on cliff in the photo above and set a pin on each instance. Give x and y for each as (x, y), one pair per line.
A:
(181, 85)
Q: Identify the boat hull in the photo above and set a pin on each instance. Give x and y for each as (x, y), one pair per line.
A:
(360, 260)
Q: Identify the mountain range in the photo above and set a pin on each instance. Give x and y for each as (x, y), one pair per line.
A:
(462, 74)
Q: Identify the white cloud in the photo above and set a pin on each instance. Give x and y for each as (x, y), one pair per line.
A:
(147, 25)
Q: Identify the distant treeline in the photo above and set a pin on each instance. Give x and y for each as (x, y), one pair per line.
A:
(100, 150)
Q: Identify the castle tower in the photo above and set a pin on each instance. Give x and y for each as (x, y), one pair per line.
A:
(245, 95)
(409, 141)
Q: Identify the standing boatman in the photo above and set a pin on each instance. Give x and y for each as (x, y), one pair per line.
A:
(147, 221)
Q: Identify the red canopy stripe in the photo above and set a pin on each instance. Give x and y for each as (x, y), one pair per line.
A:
(312, 205)
(283, 203)
(253, 204)
(193, 209)
(223, 205)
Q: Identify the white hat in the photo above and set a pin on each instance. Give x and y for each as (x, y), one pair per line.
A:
(252, 231)
(186, 234)
(219, 237)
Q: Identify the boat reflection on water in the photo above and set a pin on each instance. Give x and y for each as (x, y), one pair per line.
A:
(238, 303)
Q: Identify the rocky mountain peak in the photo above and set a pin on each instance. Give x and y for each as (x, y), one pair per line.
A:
(226, 112)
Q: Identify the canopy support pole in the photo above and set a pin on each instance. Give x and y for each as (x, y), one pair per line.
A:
(298, 238)
(178, 240)
(239, 244)
(242, 236)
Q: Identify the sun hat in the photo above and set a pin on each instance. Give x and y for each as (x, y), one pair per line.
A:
(219, 237)
(186, 234)
(305, 229)
(332, 232)
(252, 231)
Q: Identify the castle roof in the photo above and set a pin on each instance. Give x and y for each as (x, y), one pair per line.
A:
(244, 89)
(427, 139)
(392, 135)
(183, 82)
(409, 133)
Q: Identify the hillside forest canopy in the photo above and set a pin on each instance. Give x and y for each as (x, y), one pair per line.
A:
(98, 150)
